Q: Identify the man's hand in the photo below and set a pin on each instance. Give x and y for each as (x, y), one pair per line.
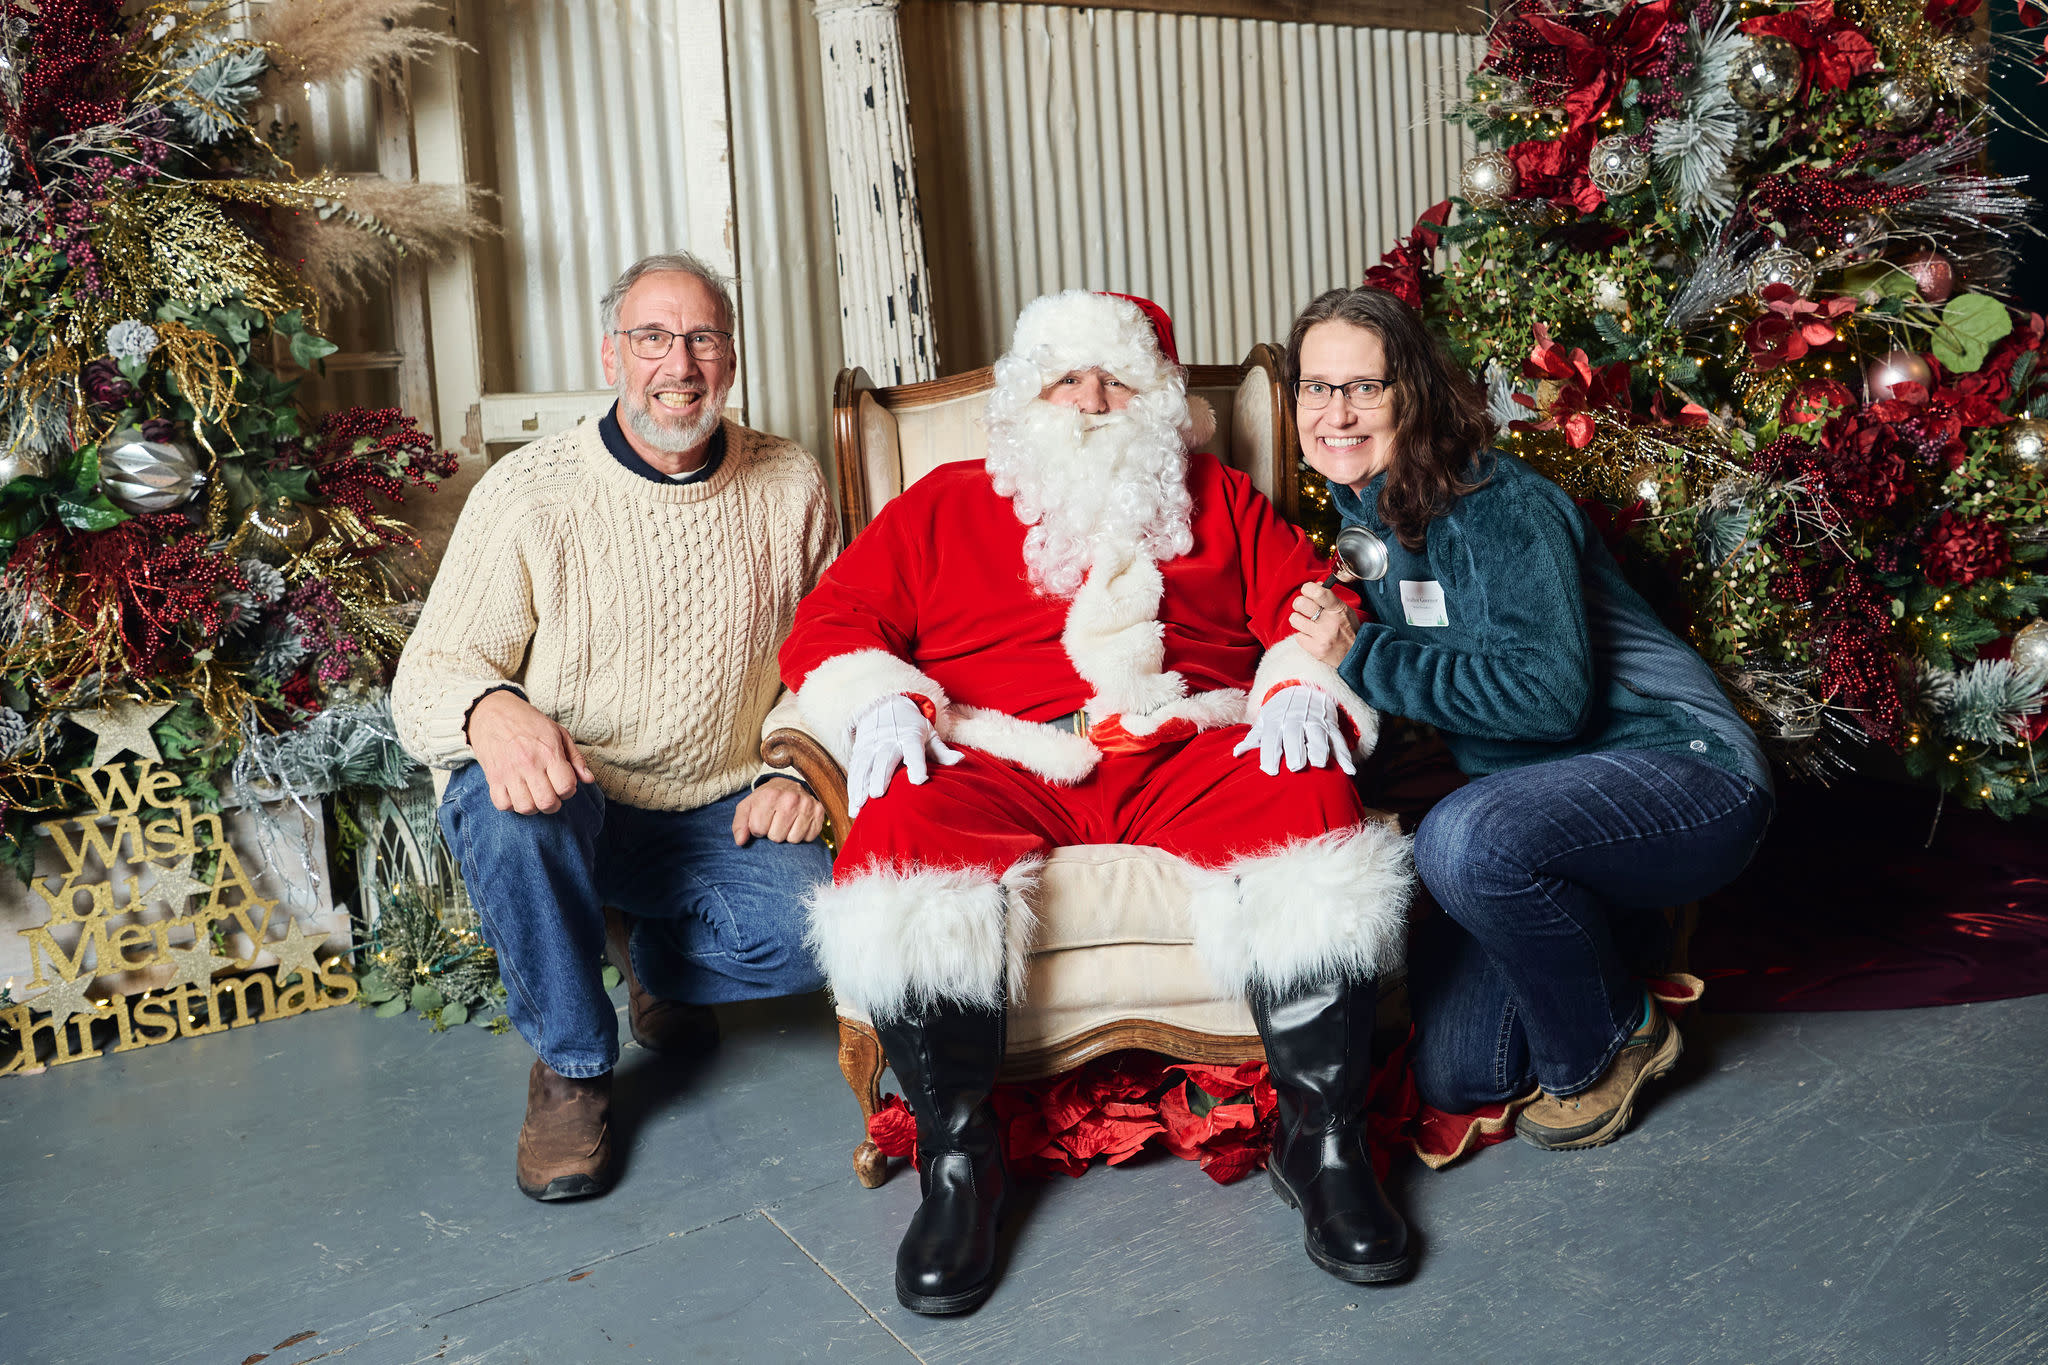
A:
(530, 762)
(779, 810)
(1322, 623)
(890, 734)
(1301, 722)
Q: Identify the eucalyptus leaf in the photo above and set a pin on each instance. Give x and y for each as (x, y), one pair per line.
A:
(391, 1008)
(427, 998)
(611, 976)
(1971, 325)
(375, 987)
(454, 1013)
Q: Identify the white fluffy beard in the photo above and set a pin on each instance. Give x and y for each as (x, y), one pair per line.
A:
(670, 435)
(1085, 483)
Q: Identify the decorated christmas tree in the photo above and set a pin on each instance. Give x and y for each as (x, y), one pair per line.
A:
(1736, 277)
(194, 566)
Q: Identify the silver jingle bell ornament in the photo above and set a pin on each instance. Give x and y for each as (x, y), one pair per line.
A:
(1781, 265)
(141, 475)
(1488, 180)
(1617, 165)
(2026, 445)
(1765, 73)
(1903, 101)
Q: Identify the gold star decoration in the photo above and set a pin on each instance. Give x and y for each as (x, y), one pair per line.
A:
(196, 965)
(65, 999)
(122, 727)
(175, 886)
(295, 951)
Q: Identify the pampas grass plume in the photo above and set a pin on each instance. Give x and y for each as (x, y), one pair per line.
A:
(325, 40)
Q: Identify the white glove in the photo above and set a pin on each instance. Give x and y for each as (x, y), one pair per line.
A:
(1301, 721)
(889, 734)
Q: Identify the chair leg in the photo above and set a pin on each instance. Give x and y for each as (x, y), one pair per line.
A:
(861, 1062)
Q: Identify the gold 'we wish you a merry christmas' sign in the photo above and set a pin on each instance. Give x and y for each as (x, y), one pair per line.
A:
(156, 945)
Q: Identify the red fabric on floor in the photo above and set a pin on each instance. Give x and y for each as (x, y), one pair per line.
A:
(1847, 907)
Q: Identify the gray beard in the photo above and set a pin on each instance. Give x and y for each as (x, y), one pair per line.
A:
(673, 436)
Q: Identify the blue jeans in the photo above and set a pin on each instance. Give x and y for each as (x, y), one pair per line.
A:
(1549, 877)
(712, 922)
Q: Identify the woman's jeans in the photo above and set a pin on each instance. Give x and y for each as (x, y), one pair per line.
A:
(712, 922)
(1550, 876)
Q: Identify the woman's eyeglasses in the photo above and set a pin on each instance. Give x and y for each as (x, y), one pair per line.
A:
(652, 343)
(1362, 394)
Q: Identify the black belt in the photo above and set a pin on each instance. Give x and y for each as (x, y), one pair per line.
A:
(1074, 722)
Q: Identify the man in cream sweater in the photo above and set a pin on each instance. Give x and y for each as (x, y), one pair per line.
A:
(591, 675)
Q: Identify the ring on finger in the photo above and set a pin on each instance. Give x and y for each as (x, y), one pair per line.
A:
(1316, 615)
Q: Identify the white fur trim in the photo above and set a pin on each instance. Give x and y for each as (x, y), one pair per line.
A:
(843, 686)
(1208, 710)
(1289, 660)
(898, 939)
(1324, 908)
(1203, 417)
(1115, 641)
(1059, 756)
(1020, 921)
(1081, 330)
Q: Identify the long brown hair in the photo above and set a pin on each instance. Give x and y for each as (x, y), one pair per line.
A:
(1440, 418)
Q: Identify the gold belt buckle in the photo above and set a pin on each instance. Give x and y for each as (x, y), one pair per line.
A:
(1075, 722)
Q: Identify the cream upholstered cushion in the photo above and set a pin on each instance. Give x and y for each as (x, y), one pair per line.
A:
(1113, 942)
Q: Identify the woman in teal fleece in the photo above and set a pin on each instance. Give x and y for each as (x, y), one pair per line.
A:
(1610, 775)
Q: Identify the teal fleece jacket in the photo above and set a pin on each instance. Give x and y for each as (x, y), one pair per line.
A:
(1515, 635)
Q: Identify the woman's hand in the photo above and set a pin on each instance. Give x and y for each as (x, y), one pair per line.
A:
(1324, 625)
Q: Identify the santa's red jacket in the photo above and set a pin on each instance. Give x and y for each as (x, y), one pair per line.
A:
(933, 600)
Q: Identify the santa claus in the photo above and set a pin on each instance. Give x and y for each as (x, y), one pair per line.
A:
(1086, 639)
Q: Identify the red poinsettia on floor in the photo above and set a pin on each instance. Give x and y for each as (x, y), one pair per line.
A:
(1220, 1116)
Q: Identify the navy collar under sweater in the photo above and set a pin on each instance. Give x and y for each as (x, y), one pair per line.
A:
(622, 451)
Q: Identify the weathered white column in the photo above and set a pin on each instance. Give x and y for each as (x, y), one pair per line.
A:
(884, 275)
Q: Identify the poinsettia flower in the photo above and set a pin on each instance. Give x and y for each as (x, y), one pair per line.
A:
(1815, 400)
(1836, 52)
(1601, 53)
(1571, 390)
(1400, 270)
(1792, 326)
(1555, 169)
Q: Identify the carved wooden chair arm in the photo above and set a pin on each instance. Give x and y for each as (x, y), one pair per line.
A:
(795, 749)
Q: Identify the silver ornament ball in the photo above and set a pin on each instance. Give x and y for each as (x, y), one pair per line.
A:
(1904, 101)
(1781, 265)
(2030, 646)
(1863, 235)
(1884, 374)
(22, 464)
(1488, 180)
(2026, 445)
(1765, 73)
(141, 475)
(1617, 165)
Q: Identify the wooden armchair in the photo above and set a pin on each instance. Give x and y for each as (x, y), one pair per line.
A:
(1114, 965)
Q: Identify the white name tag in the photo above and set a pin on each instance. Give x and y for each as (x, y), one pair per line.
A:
(1422, 602)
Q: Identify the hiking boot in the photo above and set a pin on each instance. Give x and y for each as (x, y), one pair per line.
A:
(565, 1145)
(1599, 1115)
(665, 1026)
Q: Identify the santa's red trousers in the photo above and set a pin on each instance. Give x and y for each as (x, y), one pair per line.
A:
(1189, 798)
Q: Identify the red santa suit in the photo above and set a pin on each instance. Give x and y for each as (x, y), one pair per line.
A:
(1167, 664)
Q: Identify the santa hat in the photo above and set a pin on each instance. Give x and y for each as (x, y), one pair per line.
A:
(1130, 337)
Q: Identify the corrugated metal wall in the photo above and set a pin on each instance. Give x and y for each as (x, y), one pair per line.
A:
(1230, 169)
(587, 133)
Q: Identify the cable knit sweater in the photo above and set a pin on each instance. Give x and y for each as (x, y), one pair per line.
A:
(643, 617)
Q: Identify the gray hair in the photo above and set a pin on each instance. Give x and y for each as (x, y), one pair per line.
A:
(667, 262)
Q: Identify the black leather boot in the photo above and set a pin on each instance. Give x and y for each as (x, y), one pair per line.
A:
(946, 1057)
(1319, 1054)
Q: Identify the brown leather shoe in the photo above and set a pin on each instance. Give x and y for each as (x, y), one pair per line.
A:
(565, 1145)
(667, 1026)
(1599, 1115)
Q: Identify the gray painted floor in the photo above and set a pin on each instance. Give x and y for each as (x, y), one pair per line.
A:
(1820, 1189)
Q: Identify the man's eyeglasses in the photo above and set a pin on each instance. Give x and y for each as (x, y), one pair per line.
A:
(652, 343)
(1362, 394)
